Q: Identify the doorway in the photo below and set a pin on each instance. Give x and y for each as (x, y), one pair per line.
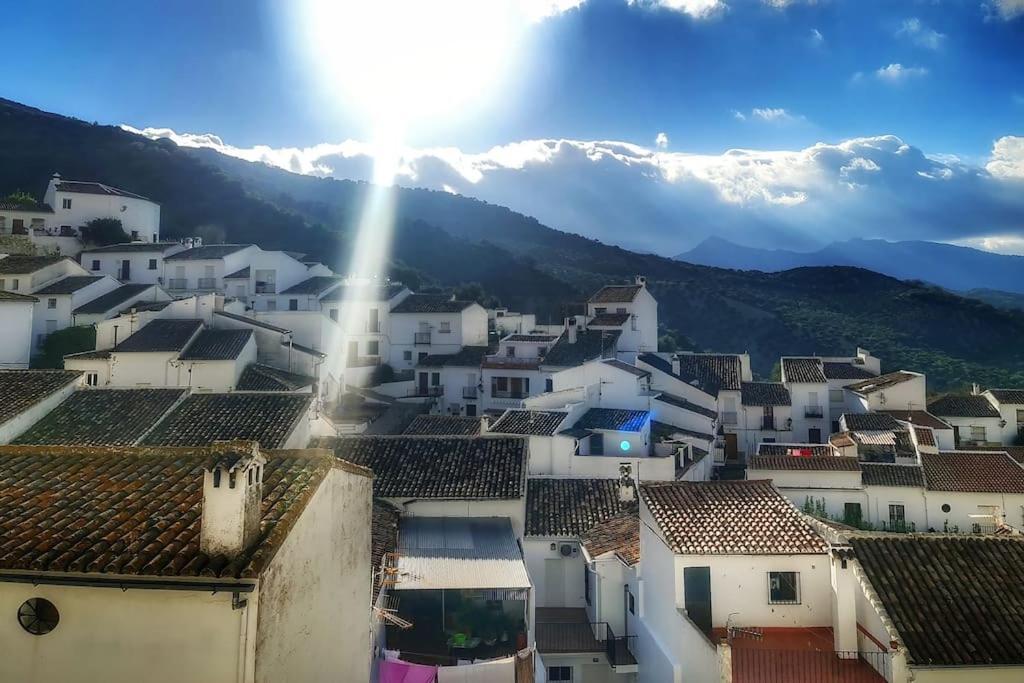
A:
(554, 583)
(697, 596)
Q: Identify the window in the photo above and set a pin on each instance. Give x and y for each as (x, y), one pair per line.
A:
(334, 316)
(835, 426)
(946, 507)
(632, 602)
(852, 513)
(784, 588)
(597, 444)
(620, 311)
(92, 379)
(588, 586)
(51, 303)
(65, 203)
(293, 304)
(39, 616)
(977, 433)
(14, 284)
(3, 283)
(559, 673)
(373, 348)
(835, 395)
(510, 351)
(95, 264)
(549, 384)
(135, 235)
(435, 379)
(152, 264)
(421, 355)
(407, 355)
(897, 516)
(446, 327)
(600, 311)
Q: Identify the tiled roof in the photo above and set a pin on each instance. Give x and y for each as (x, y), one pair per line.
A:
(613, 419)
(954, 601)
(303, 349)
(383, 536)
(314, 285)
(132, 247)
(870, 386)
(145, 306)
(765, 394)
(709, 372)
(663, 431)
(1014, 396)
(362, 293)
(835, 370)
(240, 274)
(68, 285)
(571, 507)
(590, 344)
(626, 367)
(609, 320)
(22, 389)
(535, 338)
(729, 518)
(257, 377)
(803, 370)
(619, 534)
(972, 471)
(457, 468)
(40, 207)
(968, 405)
(207, 251)
(90, 187)
(17, 264)
(132, 511)
(252, 321)
(882, 474)
(925, 436)
(871, 422)
(615, 294)
(921, 418)
(112, 299)
(680, 402)
(14, 296)
(791, 449)
(217, 345)
(430, 303)
(466, 357)
(443, 425)
(204, 418)
(162, 334)
(529, 422)
(823, 463)
(102, 417)
(1015, 452)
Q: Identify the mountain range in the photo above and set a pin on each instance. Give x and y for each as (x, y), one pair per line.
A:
(445, 241)
(946, 265)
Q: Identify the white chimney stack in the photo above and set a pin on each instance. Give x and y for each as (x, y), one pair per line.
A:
(626, 485)
(675, 364)
(232, 494)
(570, 329)
(641, 280)
(485, 424)
(975, 389)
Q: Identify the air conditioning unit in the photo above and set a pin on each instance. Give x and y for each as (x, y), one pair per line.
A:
(568, 550)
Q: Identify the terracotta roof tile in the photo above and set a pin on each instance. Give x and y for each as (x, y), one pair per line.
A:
(571, 507)
(834, 370)
(765, 394)
(619, 534)
(972, 471)
(884, 474)
(794, 449)
(803, 370)
(871, 422)
(615, 294)
(22, 389)
(964, 405)
(824, 463)
(201, 419)
(1013, 396)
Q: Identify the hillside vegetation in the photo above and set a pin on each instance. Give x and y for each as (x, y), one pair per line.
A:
(448, 240)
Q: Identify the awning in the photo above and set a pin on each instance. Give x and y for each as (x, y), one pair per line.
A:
(459, 553)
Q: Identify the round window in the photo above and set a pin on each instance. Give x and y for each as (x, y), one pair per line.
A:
(945, 507)
(38, 616)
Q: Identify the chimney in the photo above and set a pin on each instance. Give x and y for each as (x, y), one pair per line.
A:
(975, 389)
(232, 493)
(485, 424)
(641, 280)
(626, 485)
(197, 241)
(570, 329)
(675, 364)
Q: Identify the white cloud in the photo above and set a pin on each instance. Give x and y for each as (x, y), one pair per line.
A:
(771, 114)
(921, 35)
(897, 73)
(661, 141)
(661, 201)
(1004, 9)
(539, 10)
(738, 115)
(1000, 244)
(698, 9)
(816, 37)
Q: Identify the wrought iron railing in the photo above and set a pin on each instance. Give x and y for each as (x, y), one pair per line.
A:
(754, 665)
(618, 649)
(814, 411)
(207, 283)
(421, 338)
(177, 283)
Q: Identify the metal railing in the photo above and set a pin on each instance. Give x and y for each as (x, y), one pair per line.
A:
(265, 288)
(469, 392)
(421, 338)
(729, 418)
(618, 649)
(768, 424)
(207, 283)
(754, 665)
(177, 283)
(814, 411)
(435, 390)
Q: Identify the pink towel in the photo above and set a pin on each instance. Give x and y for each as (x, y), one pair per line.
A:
(392, 671)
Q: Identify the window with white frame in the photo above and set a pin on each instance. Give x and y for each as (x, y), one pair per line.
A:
(445, 327)
(784, 588)
(51, 303)
(559, 673)
(65, 203)
(977, 433)
(92, 379)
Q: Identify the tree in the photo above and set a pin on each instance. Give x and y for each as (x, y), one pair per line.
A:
(61, 343)
(22, 199)
(103, 231)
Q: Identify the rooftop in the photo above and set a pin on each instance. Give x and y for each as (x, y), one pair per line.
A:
(615, 294)
(217, 345)
(257, 377)
(115, 298)
(457, 468)
(765, 394)
(882, 474)
(135, 511)
(67, 285)
(794, 449)
(252, 321)
(201, 419)
(443, 425)
(953, 601)
(891, 379)
(22, 389)
(240, 274)
(962, 405)
(836, 370)
(920, 418)
(207, 251)
(318, 284)
(102, 417)
(467, 356)
(6, 296)
(568, 508)
(609, 320)
(626, 367)
(534, 338)
(821, 463)
(39, 207)
(18, 264)
(729, 518)
(90, 187)
(619, 535)
(871, 422)
(613, 419)
(590, 344)
(803, 370)
(1012, 396)
(972, 471)
(161, 335)
(529, 422)
(709, 372)
(680, 402)
(430, 303)
(363, 293)
(133, 247)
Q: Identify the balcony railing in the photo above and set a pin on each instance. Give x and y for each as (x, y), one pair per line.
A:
(266, 288)
(619, 649)
(510, 394)
(814, 411)
(768, 424)
(177, 283)
(469, 392)
(436, 390)
(753, 664)
(207, 283)
(421, 338)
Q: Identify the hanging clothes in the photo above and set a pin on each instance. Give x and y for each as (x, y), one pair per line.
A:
(494, 671)
(396, 671)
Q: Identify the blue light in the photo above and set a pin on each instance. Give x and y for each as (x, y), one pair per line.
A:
(624, 445)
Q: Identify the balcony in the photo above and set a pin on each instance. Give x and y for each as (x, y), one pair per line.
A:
(418, 391)
(567, 630)
(469, 392)
(266, 288)
(207, 283)
(177, 283)
(768, 424)
(814, 412)
(421, 338)
(768, 655)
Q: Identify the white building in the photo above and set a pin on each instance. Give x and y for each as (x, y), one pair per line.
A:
(976, 421)
(453, 381)
(630, 310)
(76, 202)
(28, 395)
(16, 312)
(767, 415)
(59, 301)
(227, 583)
(135, 262)
(816, 385)
(26, 274)
(900, 390)
(206, 268)
(425, 324)
(1010, 404)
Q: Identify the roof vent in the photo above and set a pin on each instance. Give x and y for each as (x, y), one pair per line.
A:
(232, 494)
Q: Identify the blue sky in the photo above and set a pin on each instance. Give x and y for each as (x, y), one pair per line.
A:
(944, 76)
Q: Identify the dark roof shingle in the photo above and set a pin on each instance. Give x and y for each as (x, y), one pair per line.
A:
(1014, 396)
(571, 507)
(590, 344)
(529, 422)
(68, 285)
(217, 345)
(871, 422)
(683, 403)
(132, 247)
(204, 418)
(92, 187)
(919, 418)
(22, 389)
(115, 298)
(162, 334)
(615, 294)
(765, 394)
(880, 382)
(884, 474)
(709, 372)
(314, 285)
(962, 405)
(836, 370)
(18, 264)
(972, 471)
(443, 425)
(430, 303)
(207, 251)
(803, 370)
(613, 419)
(257, 377)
